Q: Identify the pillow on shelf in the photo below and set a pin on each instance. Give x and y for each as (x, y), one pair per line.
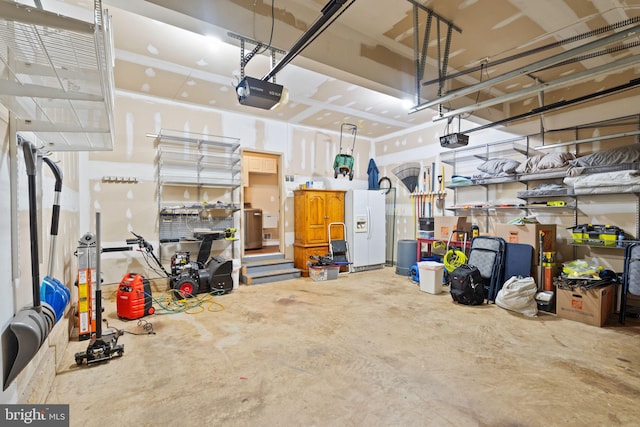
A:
(546, 161)
(628, 154)
(499, 166)
(530, 165)
(555, 160)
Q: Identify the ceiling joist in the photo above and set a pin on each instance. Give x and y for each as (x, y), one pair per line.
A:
(616, 65)
(535, 66)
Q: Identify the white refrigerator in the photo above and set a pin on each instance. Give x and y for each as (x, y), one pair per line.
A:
(365, 224)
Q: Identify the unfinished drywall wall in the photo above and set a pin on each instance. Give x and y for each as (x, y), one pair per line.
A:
(16, 282)
(307, 154)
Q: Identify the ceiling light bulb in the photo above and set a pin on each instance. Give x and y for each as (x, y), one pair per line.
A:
(284, 98)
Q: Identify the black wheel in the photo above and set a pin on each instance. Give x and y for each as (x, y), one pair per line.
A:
(351, 176)
(335, 173)
(385, 184)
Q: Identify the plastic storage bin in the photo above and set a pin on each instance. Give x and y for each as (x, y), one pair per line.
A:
(595, 234)
(320, 273)
(431, 274)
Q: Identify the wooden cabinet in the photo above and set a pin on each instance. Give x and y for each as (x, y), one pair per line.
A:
(314, 210)
(259, 164)
(262, 165)
(301, 256)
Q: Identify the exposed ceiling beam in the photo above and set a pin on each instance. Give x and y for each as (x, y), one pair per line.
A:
(560, 104)
(626, 62)
(634, 31)
(582, 141)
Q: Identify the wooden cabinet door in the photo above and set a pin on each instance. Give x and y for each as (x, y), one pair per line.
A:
(335, 213)
(301, 256)
(269, 165)
(255, 164)
(317, 219)
(313, 212)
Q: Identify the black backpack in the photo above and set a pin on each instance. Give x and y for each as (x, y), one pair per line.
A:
(466, 285)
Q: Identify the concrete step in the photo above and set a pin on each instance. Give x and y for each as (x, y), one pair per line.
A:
(262, 257)
(254, 267)
(266, 268)
(270, 276)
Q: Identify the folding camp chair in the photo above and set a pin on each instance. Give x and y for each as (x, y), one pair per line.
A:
(518, 261)
(630, 279)
(487, 254)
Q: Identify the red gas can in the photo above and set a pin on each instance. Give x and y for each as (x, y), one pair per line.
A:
(133, 299)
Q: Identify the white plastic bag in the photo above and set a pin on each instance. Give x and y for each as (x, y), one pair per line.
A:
(519, 295)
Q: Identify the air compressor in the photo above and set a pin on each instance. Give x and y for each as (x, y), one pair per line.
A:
(133, 299)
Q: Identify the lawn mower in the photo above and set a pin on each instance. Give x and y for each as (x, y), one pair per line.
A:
(343, 163)
(188, 277)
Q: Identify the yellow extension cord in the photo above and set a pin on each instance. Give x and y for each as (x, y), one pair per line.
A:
(453, 258)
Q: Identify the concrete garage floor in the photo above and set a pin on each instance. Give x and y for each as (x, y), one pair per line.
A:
(368, 349)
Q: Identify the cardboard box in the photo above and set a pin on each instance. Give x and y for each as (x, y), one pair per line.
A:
(444, 225)
(592, 306)
(528, 234)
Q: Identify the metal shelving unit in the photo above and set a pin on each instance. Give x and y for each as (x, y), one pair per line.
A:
(488, 151)
(200, 163)
(514, 148)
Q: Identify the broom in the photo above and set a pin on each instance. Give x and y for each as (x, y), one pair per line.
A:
(408, 174)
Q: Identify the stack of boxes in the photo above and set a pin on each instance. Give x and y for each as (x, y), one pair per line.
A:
(588, 306)
(529, 234)
(445, 225)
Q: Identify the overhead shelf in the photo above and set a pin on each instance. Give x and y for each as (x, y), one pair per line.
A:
(57, 76)
(588, 140)
(487, 151)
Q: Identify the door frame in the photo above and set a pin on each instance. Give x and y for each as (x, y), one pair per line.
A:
(280, 191)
